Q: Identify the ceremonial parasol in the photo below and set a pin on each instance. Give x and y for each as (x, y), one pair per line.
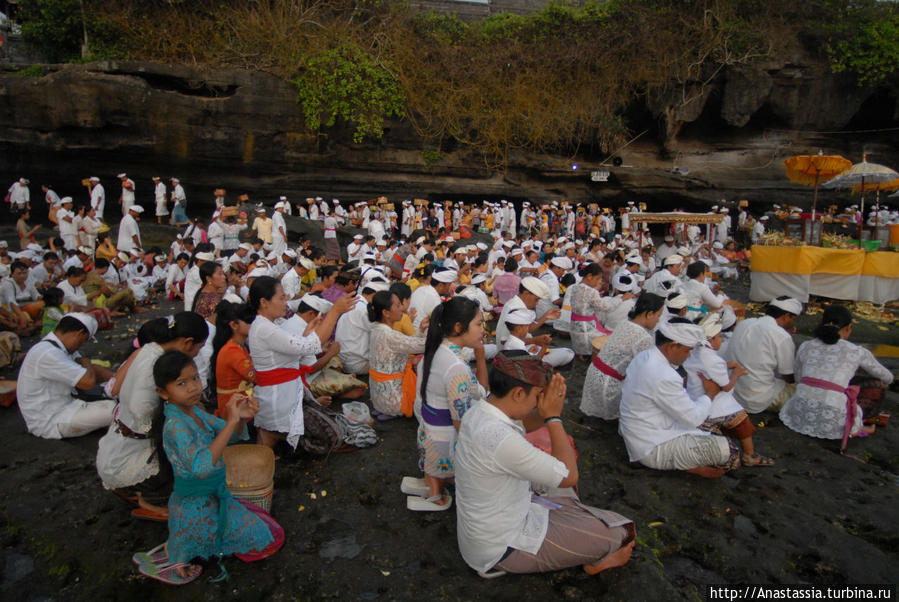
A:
(876, 187)
(811, 170)
(863, 175)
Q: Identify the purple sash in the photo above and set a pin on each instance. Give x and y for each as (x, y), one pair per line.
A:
(851, 394)
(436, 417)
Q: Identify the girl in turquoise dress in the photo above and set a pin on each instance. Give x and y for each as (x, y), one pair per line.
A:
(204, 520)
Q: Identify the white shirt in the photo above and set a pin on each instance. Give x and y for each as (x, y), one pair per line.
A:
(46, 379)
(699, 294)
(98, 199)
(424, 299)
(66, 221)
(549, 278)
(502, 333)
(19, 194)
(477, 295)
(192, 285)
(494, 468)
(291, 282)
(352, 332)
(764, 349)
(704, 360)
(72, 295)
(173, 275)
(655, 407)
(127, 195)
(216, 235)
(159, 193)
(127, 230)
(330, 227)
(278, 226)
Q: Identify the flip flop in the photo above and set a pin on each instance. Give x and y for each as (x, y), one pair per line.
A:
(168, 574)
(756, 460)
(146, 514)
(420, 504)
(156, 556)
(413, 486)
(381, 417)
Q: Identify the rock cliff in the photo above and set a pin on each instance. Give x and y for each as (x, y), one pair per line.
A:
(244, 131)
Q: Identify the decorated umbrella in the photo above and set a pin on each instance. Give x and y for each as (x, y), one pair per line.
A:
(864, 175)
(877, 187)
(811, 170)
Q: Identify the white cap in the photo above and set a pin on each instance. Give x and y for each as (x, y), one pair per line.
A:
(121, 255)
(420, 240)
(316, 302)
(205, 256)
(449, 239)
(65, 199)
(159, 258)
(87, 320)
(290, 253)
(358, 237)
(764, 218)
(481, 246)
(282, 198)
(788, 304)
(624, 283)
(257, 272)
(94, 179)
(690, 335)
(136, 208)
(711, 324)
(233, 298)
(260, 210)
(728, 317)
(445, 275)
(634, 259)
(4, 244)
(521, 315)
(669, 238)
(674, 259)
(562, 262)
(683, 252)
(85, 250)
(122, 175)
(517, 251)
(377, 286)
(306, 263)
(677, 302)
(245, 246)
(717, 245)
(478, 279)
(536, 286)
(279, 205)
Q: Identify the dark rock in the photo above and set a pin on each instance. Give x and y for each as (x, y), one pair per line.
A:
(18, 567)
(342, 547)
(744, 524)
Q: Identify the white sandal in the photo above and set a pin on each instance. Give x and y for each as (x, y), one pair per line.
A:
(413, 486)
(420, 504)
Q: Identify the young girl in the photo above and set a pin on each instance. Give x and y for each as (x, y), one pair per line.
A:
(204, 520)
(233, 369)
(447, 387)
(52, 309)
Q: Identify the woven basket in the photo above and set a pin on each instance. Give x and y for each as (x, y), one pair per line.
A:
(249, 467)
(260, 497)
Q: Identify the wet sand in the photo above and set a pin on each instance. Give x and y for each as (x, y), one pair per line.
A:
(816, 517)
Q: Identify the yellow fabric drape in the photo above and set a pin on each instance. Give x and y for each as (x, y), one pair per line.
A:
(820, 260)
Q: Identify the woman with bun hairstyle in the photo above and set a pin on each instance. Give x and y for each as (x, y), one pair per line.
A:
(586, 303)
(130, 460)
(824, 404)
(391, 375)
(601, 394)
(447, 387)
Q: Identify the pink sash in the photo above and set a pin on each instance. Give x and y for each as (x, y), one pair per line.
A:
(851, 394)
(582, 318)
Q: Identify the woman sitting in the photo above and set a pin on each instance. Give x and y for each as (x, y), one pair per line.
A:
(602, 385)
(448, 389)
(128, 458)
(586, 302)
(205, 521)
(824, 404)
(501, 525)
(391, 374)
(211, 290)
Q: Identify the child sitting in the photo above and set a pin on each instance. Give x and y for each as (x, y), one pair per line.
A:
(52, 311)
(204, 520)
(726, 415)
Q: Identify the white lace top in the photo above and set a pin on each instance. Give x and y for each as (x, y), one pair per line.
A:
(586, 301)
(389, 350)
(602, 393)
(819, 412)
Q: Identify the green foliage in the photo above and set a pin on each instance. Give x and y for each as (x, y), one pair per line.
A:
(32, 71)
(53, 26)
(864, 41)
(56, 28)
(350, 84)
(432, 157)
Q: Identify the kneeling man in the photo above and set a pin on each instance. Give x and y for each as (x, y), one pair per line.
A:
(659, 420)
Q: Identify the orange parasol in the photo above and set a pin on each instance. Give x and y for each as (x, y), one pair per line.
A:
(811, 170)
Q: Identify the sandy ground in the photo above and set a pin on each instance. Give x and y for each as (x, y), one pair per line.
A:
(816, 517)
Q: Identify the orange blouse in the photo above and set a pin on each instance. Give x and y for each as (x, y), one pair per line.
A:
(233, 367)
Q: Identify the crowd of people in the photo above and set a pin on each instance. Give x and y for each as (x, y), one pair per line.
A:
(271, 331)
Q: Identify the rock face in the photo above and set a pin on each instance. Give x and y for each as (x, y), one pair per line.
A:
(245, 131)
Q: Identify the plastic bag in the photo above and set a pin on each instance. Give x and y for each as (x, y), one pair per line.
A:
(356, 411)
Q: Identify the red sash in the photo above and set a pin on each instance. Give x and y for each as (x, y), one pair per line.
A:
(270, 378)
(606, 369)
